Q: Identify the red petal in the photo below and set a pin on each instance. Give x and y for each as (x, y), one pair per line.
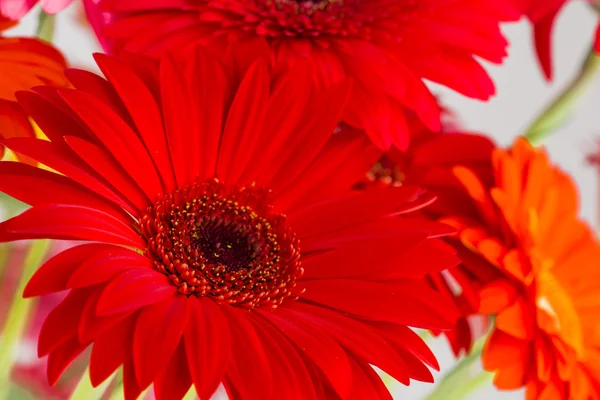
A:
(145, 113)
(62, 323)
(291, 379)
(18, 180)
(106, 264)
(175, 102)
(210, 90)
(207, 344)
(358, 338)
(352, 260)
(245, 118)
(111, 350)
(92, 325)
(359, 208)
(58, 221)
(131, 388)
(366, 384)
(61, 357)
(157, 334)
(99, 159)
(308, 139)
(427, 257)
(51, 118)
(134, 289)
(175, 380)
(118, 138)
(65, 161)
(98, 87)
(316, 345)
(379, 302)
(346, 156)
(248, 370)
(284, 113)
(543, 43)
(54, 274)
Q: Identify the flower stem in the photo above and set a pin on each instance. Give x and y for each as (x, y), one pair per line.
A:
(463, 379)
(45, 28)
(85, 391)
(563, 106)
(18, 313)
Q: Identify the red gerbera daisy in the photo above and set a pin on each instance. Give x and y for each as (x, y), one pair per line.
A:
(429, 163)
(387, 47)
(221, 252)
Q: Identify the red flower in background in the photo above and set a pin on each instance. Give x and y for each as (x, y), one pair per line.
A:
(388, 48)
(542, 14)
(16, 9)
(429, 163)
(24, 63)
(220, 250)
(526, 258)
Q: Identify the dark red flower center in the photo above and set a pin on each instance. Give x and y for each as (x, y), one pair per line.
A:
(386, 172)
(227, 243)
(295, 18)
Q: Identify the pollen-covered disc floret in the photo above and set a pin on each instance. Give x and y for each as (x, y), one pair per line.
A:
(226, 243)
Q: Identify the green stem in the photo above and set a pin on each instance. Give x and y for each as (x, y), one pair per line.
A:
(45, 28)
(563, 106)
(463, 379)
(85, 391)
(18, 313)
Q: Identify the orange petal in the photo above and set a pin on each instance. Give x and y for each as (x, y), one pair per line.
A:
(544, 361)
(512, 377)
(516, 321)
(502, 351)
(496, 296)
(14, 123)
(25, 63)
(477, 192)
(518, 265)
(493, 250)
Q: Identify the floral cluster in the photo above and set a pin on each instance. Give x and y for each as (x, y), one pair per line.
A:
(265, 199)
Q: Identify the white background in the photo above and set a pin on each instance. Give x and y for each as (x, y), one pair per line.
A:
(521, 94)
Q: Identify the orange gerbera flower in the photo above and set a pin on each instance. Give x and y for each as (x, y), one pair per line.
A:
(24, 63)
(546, 334)
(27, 62)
